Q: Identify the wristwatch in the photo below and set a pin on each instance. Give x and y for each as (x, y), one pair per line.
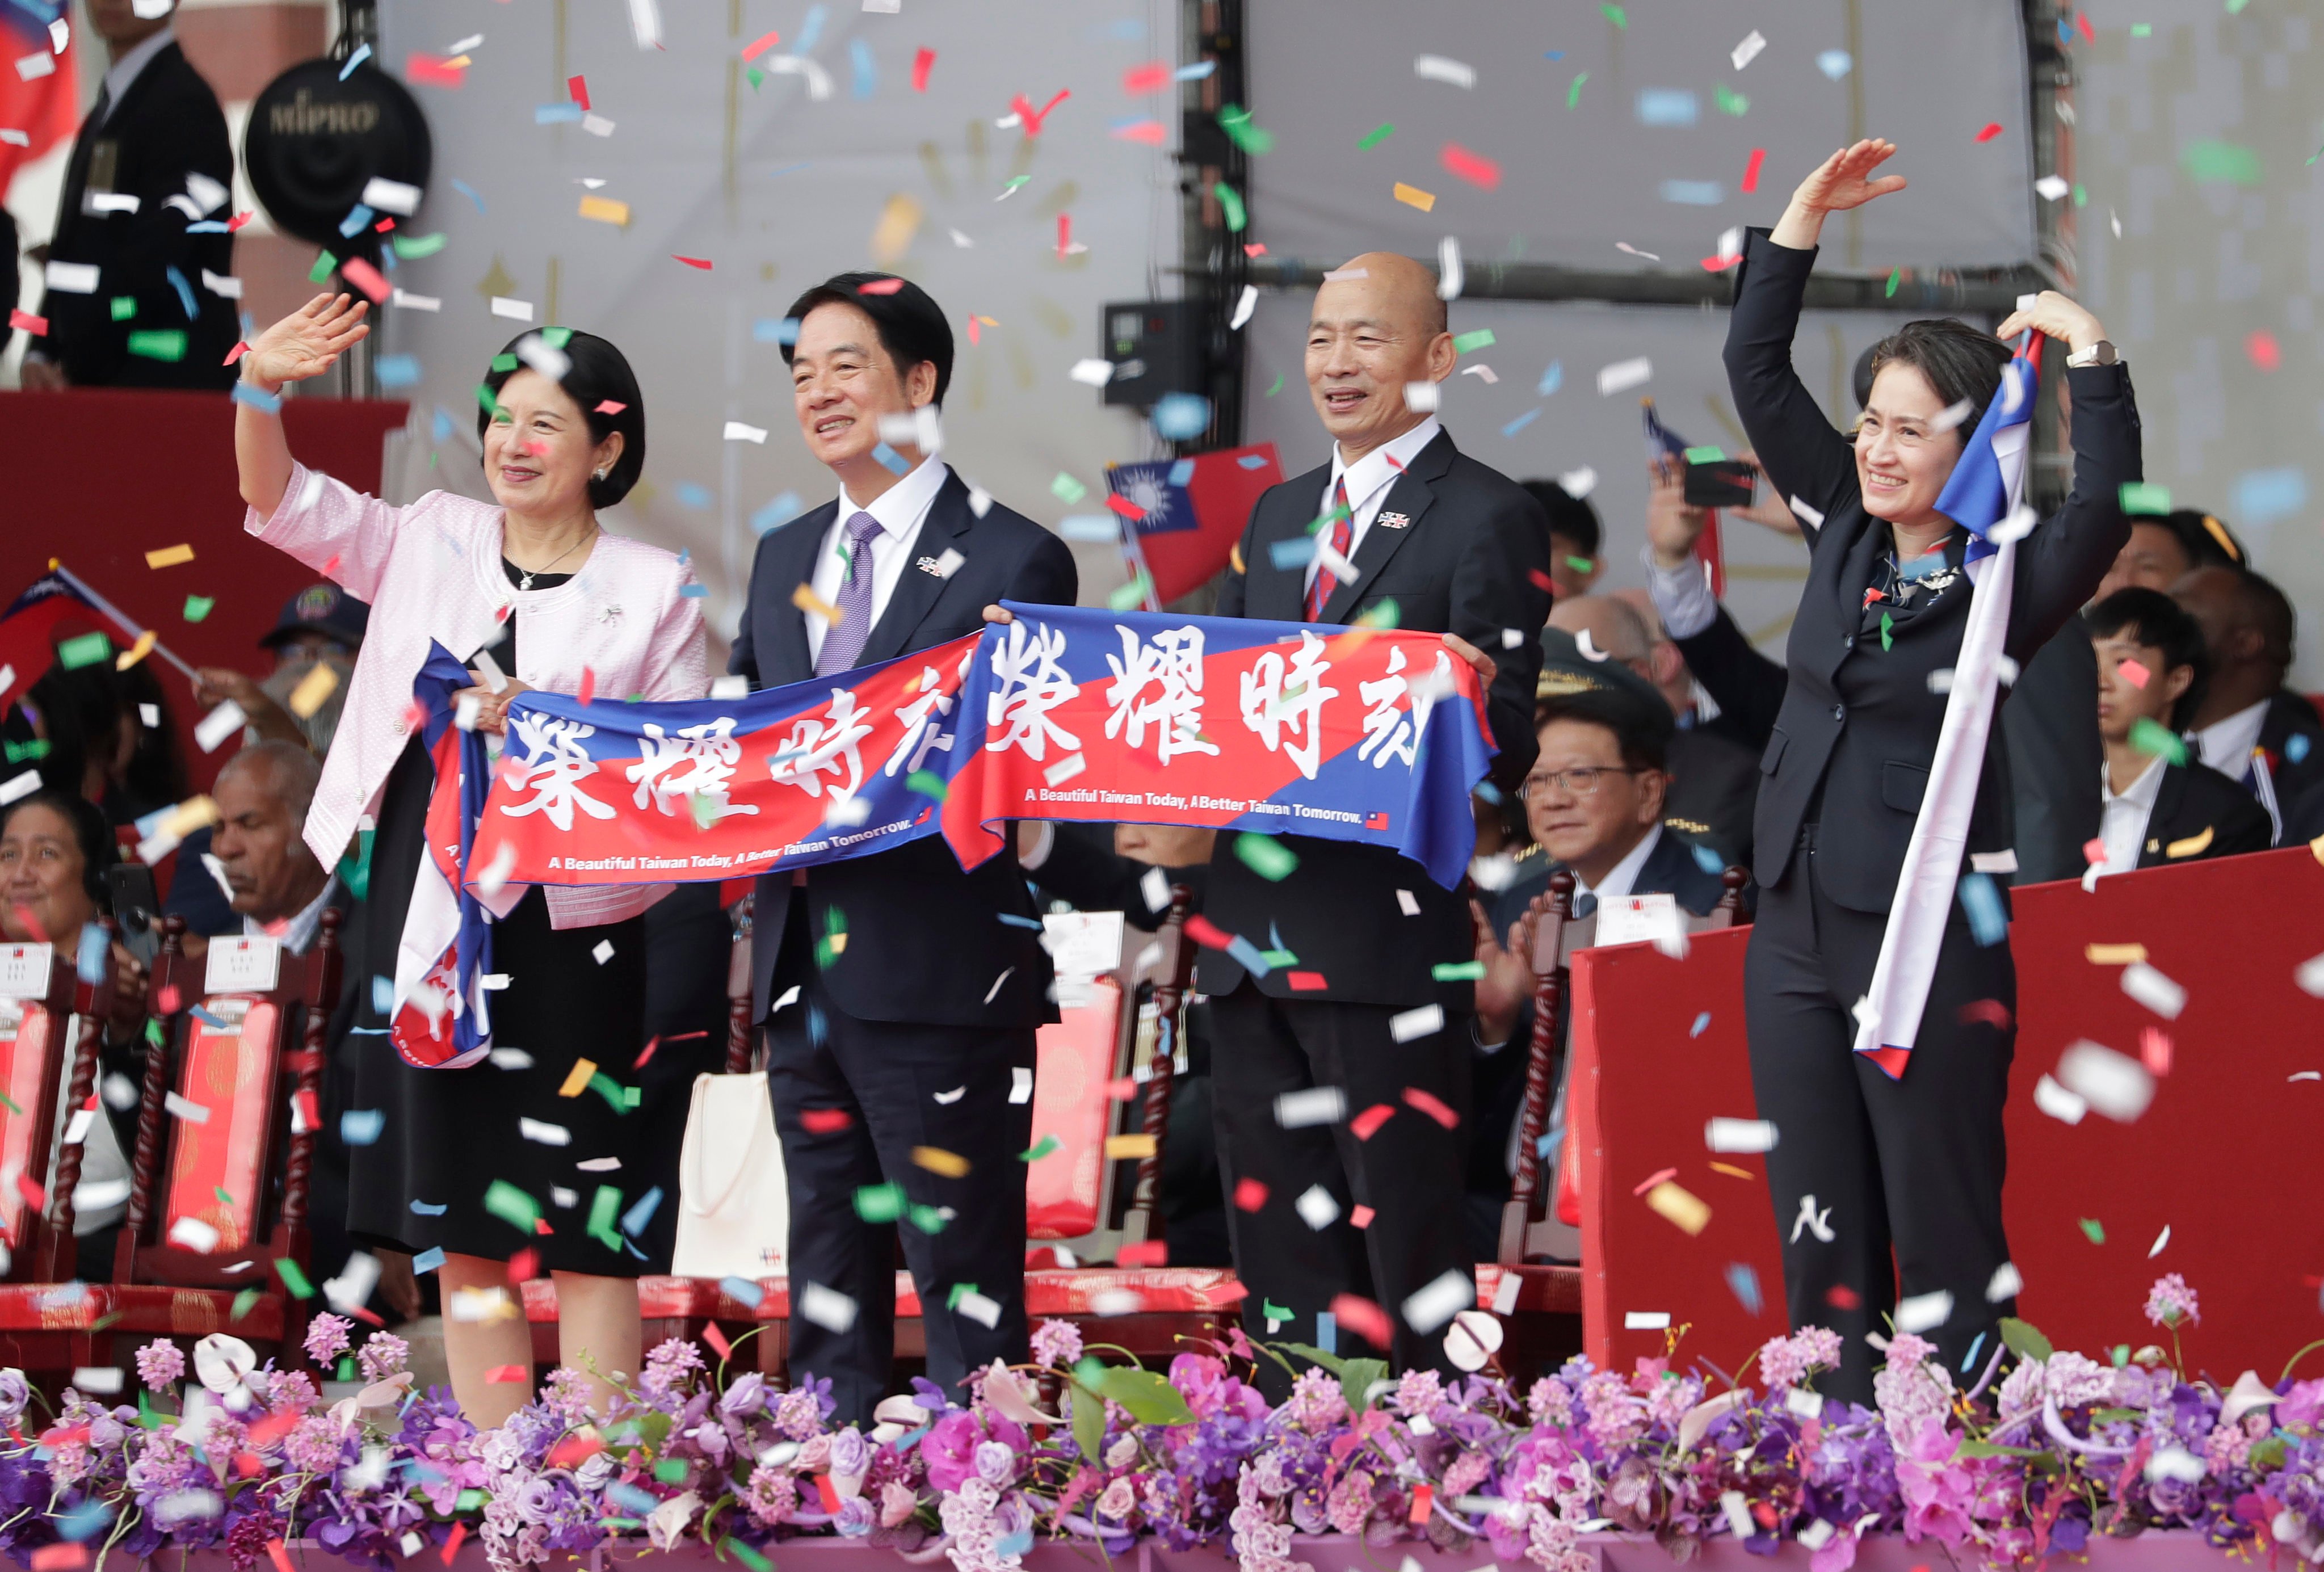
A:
(2099, 353)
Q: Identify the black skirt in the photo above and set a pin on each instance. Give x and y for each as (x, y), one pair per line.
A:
(446, 1137)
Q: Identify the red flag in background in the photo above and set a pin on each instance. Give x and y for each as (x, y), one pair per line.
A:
(1188, 513)
(45, 107)
(30, 626)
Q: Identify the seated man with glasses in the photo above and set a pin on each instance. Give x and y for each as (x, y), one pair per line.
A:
(1594, 804)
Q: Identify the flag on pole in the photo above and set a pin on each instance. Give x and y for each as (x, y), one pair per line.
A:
(1983, 496)
(39, 84)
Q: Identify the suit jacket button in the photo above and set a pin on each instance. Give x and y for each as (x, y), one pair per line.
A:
(1839, 712)
(1848, 642)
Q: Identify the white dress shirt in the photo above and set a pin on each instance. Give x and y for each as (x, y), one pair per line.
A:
(1681, 595)
(2227, 744)
(901, 509)
(1624, 874)
(1369, 479)
(2121, 820)
(124, 70)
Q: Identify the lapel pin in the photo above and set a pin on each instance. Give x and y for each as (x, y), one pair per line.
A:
(1393, 521)
(930, 564)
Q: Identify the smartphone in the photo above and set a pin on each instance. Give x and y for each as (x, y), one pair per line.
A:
(1721, 482)
(136, 909)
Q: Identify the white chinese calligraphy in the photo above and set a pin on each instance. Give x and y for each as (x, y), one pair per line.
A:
(1172, 668)
(827, 743)
(698, 762)
(555, 766)
(1391, 726)
(1284, 705)
(1029, 683)
(922, 720)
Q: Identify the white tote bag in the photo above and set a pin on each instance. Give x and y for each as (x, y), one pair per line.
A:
(733, 1215)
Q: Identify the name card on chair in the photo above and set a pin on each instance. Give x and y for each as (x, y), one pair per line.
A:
(1643, 918)
(24, 970)
(243, 964)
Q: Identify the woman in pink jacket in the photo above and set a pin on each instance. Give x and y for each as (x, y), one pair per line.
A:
(531, 593)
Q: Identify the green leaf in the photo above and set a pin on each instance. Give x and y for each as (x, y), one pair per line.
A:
(1089, 1420)
(2024, 1339)
(1357, 1377)
(2269, 1455)
(1975, 1449)
(1149, 1397)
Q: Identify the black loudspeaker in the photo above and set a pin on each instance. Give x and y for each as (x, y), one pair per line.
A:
(314, 142)
(1154, 349)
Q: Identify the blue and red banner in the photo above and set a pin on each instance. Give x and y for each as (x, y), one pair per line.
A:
(443, 1013)
(1348, 734)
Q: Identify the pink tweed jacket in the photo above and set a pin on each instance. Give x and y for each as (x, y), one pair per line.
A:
(431, 573)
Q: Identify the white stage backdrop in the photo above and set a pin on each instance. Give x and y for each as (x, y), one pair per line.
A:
(777, 191)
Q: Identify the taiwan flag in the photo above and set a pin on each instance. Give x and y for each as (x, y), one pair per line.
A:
(49, 610)
(40, 85)
(1186, 515)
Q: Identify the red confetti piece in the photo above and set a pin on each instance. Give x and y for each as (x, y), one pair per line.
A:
(1992, 129)
(59, 1558)
(1992, 1012)
(2094, 850)
(1472, 167)
(37, 326)
(717, 1340)
(366, 278)
(824, 1121)
(1032, 117)
(880, 286)
(701, 262)
(647, 1056)
(1428, 1103)
(828, 1491)
(1153, 77)
(240, 350)
(1306, 981)
(433, 70)
(361, 1314)
(1843, 1298)
(1362, 1218)
(1423, 1497)
(540, 1225)
(273, 1428)
(30, 1189)
(166, 999)
(2261, 348)
(574, 1451)
(330, 565)
(1065, 232)
(1206, 933)
(32, 925)
(588, 685)
(1541, 581)
(1364, 1318)
(1721, 264)
(1124, 506)
(973, 335)
(1150, 132)
(2155, 1049)
(761, 45)
(923, 62)
(524, 1265)
(1121, 1090)
(308, 1113)
(1365, 1125)
(249, 1465)
(1751, 169)
(281, 1554)
(507, 1375)
(1225, 1293)
(1255, 249)
(1653, 1179)
(451, 1545)
(1249, 1194)
(239, 219)
(384, 225)
(580, 88)
(1145, 1252)
(2083, 25)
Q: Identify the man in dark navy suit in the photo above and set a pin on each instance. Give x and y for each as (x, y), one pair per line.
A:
(1408, 531)
(900, 994)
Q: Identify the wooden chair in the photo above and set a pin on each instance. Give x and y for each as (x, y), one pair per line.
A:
(218, 1204)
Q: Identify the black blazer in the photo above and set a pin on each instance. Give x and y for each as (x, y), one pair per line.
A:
(2290, 716)
(1084, 871)
(166, 126)
(2194, 800)
(1858, 729)
(2050, 732)
(1747, 686)
(2303, 816)
(1473, 560)
(925, 942)
(1714, 787)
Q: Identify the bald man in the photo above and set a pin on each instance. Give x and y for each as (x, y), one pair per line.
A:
(1714, 781)
(1461, 550)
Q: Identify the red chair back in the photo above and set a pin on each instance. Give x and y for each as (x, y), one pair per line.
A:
(46, 1011)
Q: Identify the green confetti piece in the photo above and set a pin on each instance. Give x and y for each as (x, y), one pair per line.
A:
(960, 1290)
(604, 1218)
(2221, 161)
(1040, 1149)
(670, 1470)
(1277, 958)
(1273, 1311)
(505, 361)
(2144, 497)
(223, 1199)
(557, 337)
(2149, 736)
(879, 1203)
(321, 272)
(1893, 274)
(86, 650)
(2142, 30)
(2121, 1354)
(1573, 93)
(1458, 971)
(413, 246)
(2235, 7)
(1375, 136)
(1482, 339)
(1279, 376)
(1265, 855)
(613, 1091)
(123, 306)
(1235, 120)
(38, 748)
(1704, 455)
(5, 1098)
(511, 1205)
(1133, 594)
(1616, 15)
(198, 606)
(744, 1554)
(346, 1371)
(1231, 203)
(293, 1279)
(153, 1030)
(2081, 195)
(1582, 564)
(471, 1500)
(484, 397)
(1380, 615)
(928, 1220)
(2095, 1230)
(158, 344)
(757, 78)
(1066, 489)
(928, 783)
(242, 1304)
(1729, 102)
(1887, 629)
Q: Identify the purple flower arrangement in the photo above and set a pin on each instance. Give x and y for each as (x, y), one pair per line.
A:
(2005, 1472)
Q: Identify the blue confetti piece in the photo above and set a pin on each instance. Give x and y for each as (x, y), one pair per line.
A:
(811, 29)
(1194, 73)
(1245, 952)
(694, 494)
(1987, 922)
(382, 994)
(1487, 793)
(1969, 1362)
(89, 963)
(1702, 1024)
(775, 331)
(2265, 495)
(84, 1522)
(1247, 461)
(443, 428)
(208, 226)
(1016, 1544)
(867, 70)
(428, 1208)
(1553, 54)
(1708, 861)
(1013, 920)
(1183, 471)
(1668, 107)
(641, 1501)
(428, 1260)
(1296, 552)
(1180, 417)
(1327, 1331)
(259, 399)
(2295, 748)
(208, 1020)
(891, 460)
(1553, 379)
(185, 291)
(1835, 63)
(357, 220)
(743, 1290)
(1128, 30)
(363, 53)
(635, 1219)
(397, 370)
(1694, 193)
(556, 113)
(1522, 421)
(1096, 529)
(1743, 1282)
(693, 591)
(361, 1126)
(781, 511)
(469, 191)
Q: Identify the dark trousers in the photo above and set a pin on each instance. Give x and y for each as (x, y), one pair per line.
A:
(1910, 1170)
(903, 1088)
(1409, 1172)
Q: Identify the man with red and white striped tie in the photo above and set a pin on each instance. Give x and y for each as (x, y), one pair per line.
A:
(899, 995)
(1359, 1197)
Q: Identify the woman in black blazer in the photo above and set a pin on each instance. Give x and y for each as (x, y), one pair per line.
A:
(1866, 1164)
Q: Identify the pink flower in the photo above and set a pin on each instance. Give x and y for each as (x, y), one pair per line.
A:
(160, 1363)
(382, 1355)
(2170, 1301)
(897, 1501)
(327, 1337)
(949, 1449)
(1056, 1342)
(771, 1496)
(2301, 1405)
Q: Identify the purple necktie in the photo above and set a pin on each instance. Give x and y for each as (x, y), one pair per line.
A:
(842, 641)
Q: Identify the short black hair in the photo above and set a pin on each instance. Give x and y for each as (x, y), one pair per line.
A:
(1642, 731)
(910, 324)
(596, 374)
(2149, 617)
(1569, 516)
(2204, 537)
(2270, 611)
(1960, 362)
(97, 847)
